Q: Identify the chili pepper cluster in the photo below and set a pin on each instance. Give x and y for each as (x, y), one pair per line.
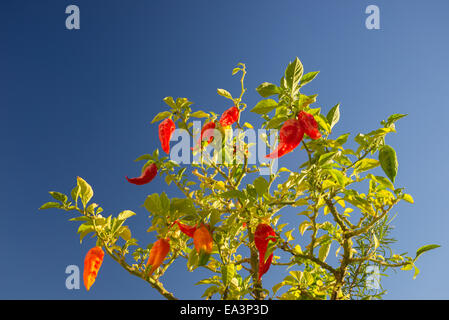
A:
(290, 136)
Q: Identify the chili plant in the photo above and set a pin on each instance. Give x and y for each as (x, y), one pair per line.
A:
(343, 206)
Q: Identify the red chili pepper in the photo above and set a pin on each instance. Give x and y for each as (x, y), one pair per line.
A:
(148, 175)
(290, 137)
(202, 240)
(166, 129)
(309, 124)
(229, 117)
(262, 236)
(186, 229)
(92, 264)
(158, 252)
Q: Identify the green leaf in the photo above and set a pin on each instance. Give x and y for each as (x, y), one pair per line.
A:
(49, 205)
(86, 192)
(80, 218)
(425, 248)
(327, 157)
(58, 196)
(227, 273)
(199, 114)
(125, 233)
(278, 286)
(267, 89)
(125, 214)
(305, 100)
(84, 230)
(388, 161)
(376, 242)
(322, 122)
(144, 157)
(341, 140)
(308, 77)
(276, 122)
(183, 206)
(265, 106)
(408, 266)
(288, 235)
(210, 292)
(75, 194)
(395, 117)
(304, 226)
(270, 248)
(366, 164)
(232, 194)
(161, 116)
(338, 176)
(203, 258)
(170, 102)
(235, 70)
(261, 185)
(333, 115)
(324, 250)
(416, 273)
(384, 182)
(408, 198)
(153, 204)
(224, 93)
(215, 217)
(293, 75)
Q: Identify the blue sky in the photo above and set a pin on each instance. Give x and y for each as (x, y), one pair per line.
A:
(79, 102)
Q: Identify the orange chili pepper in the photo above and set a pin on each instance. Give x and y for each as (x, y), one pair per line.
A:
(202, 240)
(158, 252)
(92, 264)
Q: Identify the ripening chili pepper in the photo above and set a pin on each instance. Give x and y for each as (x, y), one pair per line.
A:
(166, 129)
(92, 264)
(186, 229)
(148, 175)
(262, 236)
(202, 240)
(229, 117)
(290, 137)
(309, 125)
(158, 252)
(207, 132)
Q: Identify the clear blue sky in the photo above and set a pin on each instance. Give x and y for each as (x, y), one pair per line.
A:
(80, 102)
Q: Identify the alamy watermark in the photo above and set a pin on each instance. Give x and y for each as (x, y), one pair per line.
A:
(227, 147)
(72, 282)
(373, 20)
(373, 279)
(73, 20)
